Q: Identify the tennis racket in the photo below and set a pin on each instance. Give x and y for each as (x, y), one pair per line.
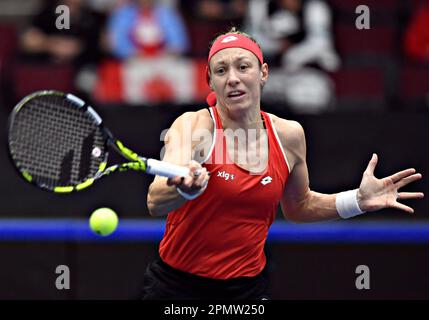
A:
(59, 143)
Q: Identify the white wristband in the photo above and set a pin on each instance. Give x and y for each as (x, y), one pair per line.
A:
(347, 205)
(188, 196)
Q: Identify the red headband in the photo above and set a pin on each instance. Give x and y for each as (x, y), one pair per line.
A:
(231, 40)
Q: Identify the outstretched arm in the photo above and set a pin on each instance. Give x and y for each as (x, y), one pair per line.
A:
(300, 204)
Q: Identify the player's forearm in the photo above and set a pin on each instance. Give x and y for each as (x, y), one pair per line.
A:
(162, 199)
(321, 207)
(315, 207)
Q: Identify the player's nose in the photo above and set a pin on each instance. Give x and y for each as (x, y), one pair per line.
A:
(233, 78)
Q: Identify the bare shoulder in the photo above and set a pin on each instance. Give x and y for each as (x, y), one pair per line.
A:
(203, 119)
(199, 119)
(292, 139)
(291, 133)
(184, 136)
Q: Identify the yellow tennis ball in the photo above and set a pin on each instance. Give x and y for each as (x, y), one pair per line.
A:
(103, 221)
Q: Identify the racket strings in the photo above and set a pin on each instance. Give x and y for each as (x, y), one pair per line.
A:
(53, 141)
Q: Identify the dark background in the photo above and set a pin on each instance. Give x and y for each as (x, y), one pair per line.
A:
(311, 271)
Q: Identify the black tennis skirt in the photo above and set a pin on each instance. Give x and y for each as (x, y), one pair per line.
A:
(163, 282)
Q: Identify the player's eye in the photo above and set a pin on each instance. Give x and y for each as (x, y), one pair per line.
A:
(220, 71)
(244, 67)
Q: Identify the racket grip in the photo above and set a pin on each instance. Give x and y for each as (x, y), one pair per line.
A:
(166, 169)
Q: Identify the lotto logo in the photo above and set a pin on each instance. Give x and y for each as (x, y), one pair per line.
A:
(266, 180)
(225, 175)
(229, 39)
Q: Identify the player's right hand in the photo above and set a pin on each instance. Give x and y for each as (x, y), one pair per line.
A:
(196, 180)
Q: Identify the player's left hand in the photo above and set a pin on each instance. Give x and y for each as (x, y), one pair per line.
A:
(375, 194)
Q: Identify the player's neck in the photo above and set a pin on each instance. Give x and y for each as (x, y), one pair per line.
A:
(241, 119)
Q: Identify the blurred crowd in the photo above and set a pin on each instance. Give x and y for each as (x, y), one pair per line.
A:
(318, 59)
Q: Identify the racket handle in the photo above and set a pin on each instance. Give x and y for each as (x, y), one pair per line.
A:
(165, 169)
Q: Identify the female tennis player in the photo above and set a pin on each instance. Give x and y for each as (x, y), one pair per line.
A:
(219, 215)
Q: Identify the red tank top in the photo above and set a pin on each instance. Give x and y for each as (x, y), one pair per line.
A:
(221, 234)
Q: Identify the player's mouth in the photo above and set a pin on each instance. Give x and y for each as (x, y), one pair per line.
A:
(236, 95)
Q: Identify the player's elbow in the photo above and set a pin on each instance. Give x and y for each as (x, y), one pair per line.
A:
(293, 213)
(154, 206)
(151, 206)
(155, 210)
(292, 216)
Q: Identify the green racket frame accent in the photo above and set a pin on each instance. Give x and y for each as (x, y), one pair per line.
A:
(139, 165)
(27, 176)
(127, 153)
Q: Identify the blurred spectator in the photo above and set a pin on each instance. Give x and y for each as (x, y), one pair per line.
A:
(44, 42)
(417, 36)
(293, 33)
(208, 18)
(216, 9)
(146, 28)
(104, 6)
